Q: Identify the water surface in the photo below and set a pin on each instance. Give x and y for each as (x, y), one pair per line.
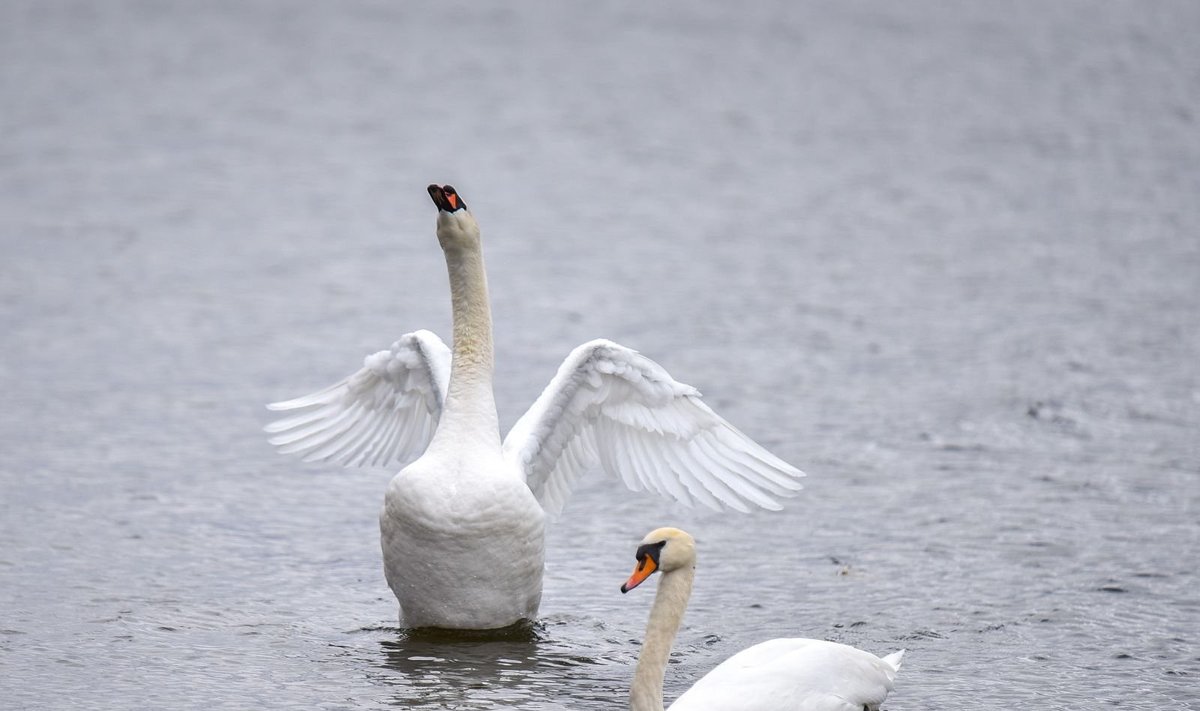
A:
(943, 258)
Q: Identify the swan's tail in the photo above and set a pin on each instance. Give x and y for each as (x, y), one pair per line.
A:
(894, 659)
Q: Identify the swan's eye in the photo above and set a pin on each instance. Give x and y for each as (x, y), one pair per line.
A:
(650, 551)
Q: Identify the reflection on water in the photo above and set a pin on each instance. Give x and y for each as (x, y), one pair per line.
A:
(561, 660)
(526, 663)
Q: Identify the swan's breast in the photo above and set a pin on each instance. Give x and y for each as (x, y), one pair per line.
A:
(459, 498)
(462, 551)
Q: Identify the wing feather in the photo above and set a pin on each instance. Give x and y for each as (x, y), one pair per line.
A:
(385, 412)
(363, 452)
(644, 465)
(623, 457)
(317, 435)
(611, 408)
(713, 483)
(295, 422)
(681, 464)
(754, 470)
(361, 441)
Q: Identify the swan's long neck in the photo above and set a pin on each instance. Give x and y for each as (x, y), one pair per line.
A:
(674, 589)
(470, 407)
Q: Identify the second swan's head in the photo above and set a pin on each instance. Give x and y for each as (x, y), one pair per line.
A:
(664, 549)
(456, 227)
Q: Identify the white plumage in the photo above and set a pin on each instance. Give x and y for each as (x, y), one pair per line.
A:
(480, 501)
(777, 675)
(384, 413)
(795, 674)
(611, 407)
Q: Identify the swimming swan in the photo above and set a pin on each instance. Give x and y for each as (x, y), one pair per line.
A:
(779, 674)
(462, 525)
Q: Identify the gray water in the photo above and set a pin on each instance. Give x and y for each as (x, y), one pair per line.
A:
(942, 256)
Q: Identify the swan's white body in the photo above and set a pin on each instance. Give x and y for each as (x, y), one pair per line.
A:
(462, 526)
(462, 539)
(776, 675)
(794, 674)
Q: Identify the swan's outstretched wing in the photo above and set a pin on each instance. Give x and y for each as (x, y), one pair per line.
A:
(613, 407)
(386, 412)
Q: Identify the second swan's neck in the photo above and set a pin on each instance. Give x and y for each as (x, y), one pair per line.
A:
(674, 589)
(470, 407)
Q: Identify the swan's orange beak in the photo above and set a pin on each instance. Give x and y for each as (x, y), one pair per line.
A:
(446, 198)
(645, 567)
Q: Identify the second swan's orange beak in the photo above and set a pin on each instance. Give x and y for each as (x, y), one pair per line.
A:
(645, 567)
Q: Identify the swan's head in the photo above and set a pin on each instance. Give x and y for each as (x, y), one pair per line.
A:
(664, 549)
(456, 228)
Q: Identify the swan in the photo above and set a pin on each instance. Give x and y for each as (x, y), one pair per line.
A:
(792, 674)
(462, 525)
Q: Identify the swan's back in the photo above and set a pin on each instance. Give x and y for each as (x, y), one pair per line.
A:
(797, 674)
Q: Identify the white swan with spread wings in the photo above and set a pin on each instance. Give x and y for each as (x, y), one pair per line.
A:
(463, 524)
